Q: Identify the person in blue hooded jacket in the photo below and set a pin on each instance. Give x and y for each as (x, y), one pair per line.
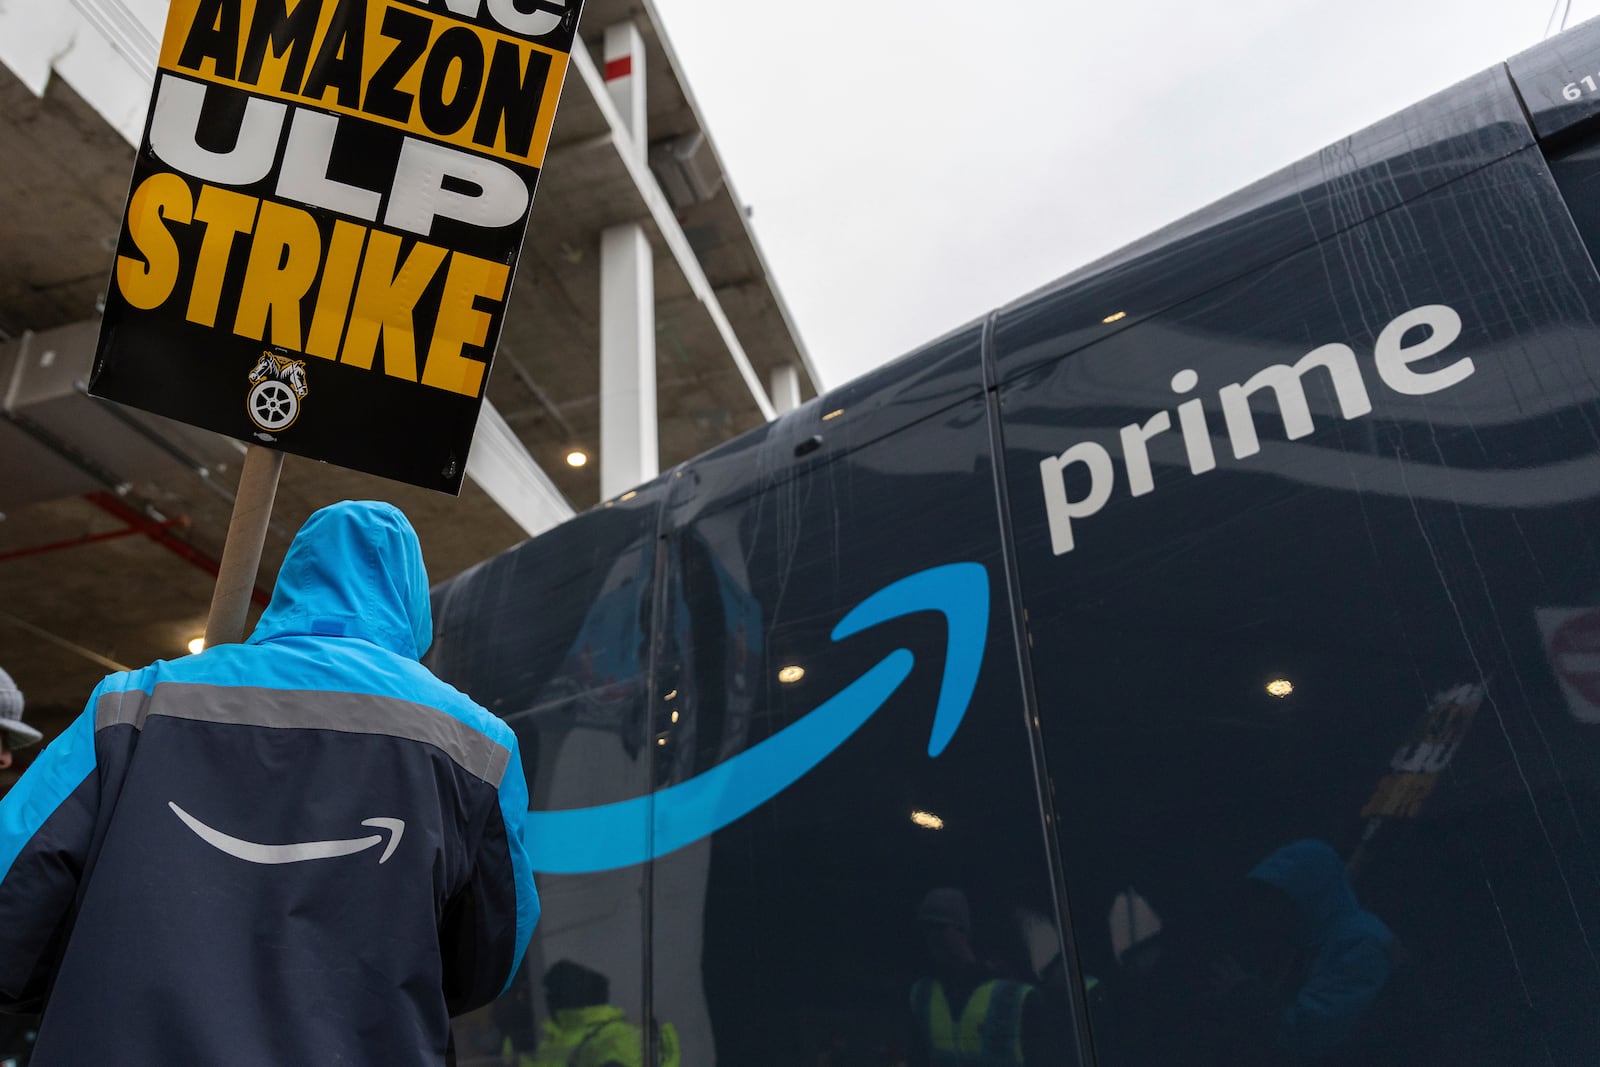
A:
(302, 849)
(1342, 951)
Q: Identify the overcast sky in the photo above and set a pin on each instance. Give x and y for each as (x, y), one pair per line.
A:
(915, 163)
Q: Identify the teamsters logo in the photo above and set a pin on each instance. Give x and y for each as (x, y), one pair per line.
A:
(277, 385)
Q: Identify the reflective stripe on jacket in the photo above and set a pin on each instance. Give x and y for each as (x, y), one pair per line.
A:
(989, 1031)
(300, 849)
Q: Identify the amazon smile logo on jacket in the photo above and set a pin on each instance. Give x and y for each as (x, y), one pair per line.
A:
(298, 851)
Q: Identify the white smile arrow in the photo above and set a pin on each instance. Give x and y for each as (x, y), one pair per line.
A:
(298, 851)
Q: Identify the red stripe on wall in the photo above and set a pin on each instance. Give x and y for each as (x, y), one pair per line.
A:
(620, 67)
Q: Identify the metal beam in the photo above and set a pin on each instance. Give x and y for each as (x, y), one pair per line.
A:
(94, 539)
(158, 533)
(503, 469)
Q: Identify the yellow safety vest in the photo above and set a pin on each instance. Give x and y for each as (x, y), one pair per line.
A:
(989, 1032)
(588, 1037)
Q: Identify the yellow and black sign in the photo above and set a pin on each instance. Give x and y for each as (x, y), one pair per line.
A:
(333, 190)
(1419, 762)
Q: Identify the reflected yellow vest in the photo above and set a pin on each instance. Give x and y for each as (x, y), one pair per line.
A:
(989, 1032)
(596, 1036)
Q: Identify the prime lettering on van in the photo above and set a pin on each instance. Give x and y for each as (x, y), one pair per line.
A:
(1438, 324)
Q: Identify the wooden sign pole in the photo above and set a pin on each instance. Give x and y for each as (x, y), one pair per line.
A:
(241, 556)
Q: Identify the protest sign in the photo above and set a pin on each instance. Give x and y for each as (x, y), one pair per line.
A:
(324, 220)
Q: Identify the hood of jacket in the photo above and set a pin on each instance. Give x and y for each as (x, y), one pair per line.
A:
(1313, 876)
(354, 570)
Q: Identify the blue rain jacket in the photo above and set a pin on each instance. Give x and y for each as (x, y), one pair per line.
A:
(1348, 948)
(303, 849)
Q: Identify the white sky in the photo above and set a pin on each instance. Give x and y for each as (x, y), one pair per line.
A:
(914, 163)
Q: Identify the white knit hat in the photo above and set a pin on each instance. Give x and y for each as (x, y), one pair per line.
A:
(18, 733)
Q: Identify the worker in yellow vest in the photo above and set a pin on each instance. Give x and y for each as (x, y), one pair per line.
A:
(963, 1014)
(585, 1030)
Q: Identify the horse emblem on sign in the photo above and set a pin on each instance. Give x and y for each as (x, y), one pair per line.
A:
(277, 385)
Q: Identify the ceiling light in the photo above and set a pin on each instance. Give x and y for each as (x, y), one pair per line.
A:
(927, 820)
(196, 645)
(674, 714)
(1280, 687)
(834, 414)
(577, 458)
(1114, 316)
(791, 674)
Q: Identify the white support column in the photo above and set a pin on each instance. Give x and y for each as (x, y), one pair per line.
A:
(628, 446)
(785, 388)
(624, 73)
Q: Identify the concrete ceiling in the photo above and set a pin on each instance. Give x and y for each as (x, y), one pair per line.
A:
(112, 567)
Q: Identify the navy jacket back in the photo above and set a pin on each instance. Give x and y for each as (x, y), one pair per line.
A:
(301, 849)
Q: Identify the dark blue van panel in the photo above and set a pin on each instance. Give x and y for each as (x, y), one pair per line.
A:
(1226, 674)
(796, 922)
(807, 673)
(555, 637)
(1407, 561)
(882, 402)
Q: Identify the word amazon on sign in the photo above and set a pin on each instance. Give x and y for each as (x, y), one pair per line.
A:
(325, 218)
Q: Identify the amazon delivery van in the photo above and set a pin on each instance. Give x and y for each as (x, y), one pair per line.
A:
(1220, 623)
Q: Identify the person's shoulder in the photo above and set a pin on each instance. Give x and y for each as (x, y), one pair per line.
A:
(139, 680)
(453, 702)
(407, 679)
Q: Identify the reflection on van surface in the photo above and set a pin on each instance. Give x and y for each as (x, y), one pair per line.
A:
(1263, 731)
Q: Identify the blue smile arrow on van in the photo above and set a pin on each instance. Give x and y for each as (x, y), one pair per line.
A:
(634, 831)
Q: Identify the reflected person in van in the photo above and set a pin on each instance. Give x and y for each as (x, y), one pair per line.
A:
(963, 1013)
(586, 1030)
(1299, 929)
